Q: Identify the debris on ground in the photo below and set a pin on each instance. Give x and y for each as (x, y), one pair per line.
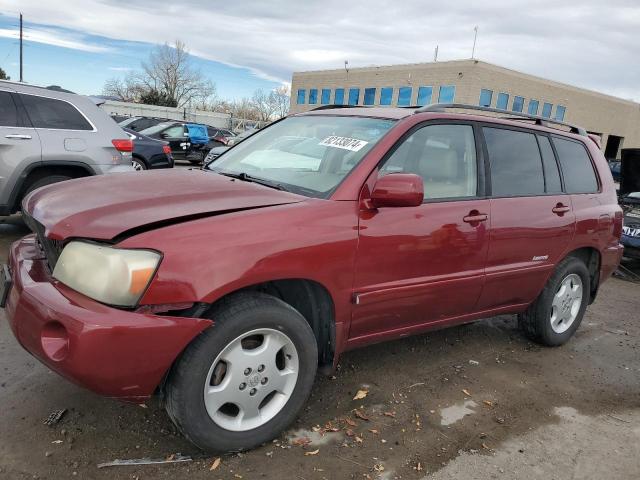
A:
(173, 458)
(55, 417)
(215, 464)
(466, 392)
(361, 394)
(313, 452)
(361, 415)
(474, 362)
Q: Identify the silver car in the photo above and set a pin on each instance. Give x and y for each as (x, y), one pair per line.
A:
(47, 136)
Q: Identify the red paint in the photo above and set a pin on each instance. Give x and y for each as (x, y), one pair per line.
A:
(390, 271)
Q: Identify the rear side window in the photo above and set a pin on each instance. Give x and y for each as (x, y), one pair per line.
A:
(51, 113)
(8, 111)
(516, 166)
(577, 169)
(551, 173)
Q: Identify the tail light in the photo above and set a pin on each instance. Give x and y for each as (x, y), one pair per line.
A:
(166, 149)
(123, 145)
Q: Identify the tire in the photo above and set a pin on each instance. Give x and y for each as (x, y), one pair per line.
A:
(138, 164)
(199, 369)
(538, 321)
(51, 179)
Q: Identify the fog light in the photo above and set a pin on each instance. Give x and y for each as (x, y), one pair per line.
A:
(55, 341)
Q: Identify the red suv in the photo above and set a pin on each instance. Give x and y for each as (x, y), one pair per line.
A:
(225, 289)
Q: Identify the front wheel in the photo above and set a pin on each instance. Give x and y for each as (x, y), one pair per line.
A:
(556, 314)
(245, 379)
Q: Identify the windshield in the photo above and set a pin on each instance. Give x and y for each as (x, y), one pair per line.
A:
(155, 128)
(309, 155)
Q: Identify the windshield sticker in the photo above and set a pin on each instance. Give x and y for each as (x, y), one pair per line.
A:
(345, 143)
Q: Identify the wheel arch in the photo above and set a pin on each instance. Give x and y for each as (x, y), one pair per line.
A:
(592, 259)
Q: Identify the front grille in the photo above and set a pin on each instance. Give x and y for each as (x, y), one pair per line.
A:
(50, 248)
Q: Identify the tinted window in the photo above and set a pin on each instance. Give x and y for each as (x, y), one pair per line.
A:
(551, 173)
(386, 95)
(577, 169)
(516, 167)
(518, 104)
(313, 96)
(485, 97)
(447, 94)
(404, 96)
(546, 110)
(302, 93)
(326, 96)
(50, 113)
(338, 98)
(443, 155)
(354, 96)
(533, 107)
(369, 96)
(503, 101)
(8, 111)
(424, 95)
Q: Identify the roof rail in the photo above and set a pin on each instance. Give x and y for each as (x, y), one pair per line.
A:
(441, 107)
(328, 107)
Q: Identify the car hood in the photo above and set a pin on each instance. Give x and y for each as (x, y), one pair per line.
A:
(109, 206)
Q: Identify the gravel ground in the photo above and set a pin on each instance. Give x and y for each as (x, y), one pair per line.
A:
(477, 401)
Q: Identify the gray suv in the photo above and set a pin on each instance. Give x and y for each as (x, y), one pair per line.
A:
(47, 136)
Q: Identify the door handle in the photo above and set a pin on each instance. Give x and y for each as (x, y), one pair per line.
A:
(560, 209)
(475, 217)
(18, 136)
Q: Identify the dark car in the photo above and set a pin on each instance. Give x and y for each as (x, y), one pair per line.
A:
(323, 232)
(216, 151)
(137, 124)
(149, 153)
(614, 166)
(188, 141)
(631, 229)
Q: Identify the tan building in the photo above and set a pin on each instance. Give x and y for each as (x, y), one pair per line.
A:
(474, 82)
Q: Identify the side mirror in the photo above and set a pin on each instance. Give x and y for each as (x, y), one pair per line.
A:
(398, 190)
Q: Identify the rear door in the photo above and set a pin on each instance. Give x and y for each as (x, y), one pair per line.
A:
(20, 148)
(532, 220)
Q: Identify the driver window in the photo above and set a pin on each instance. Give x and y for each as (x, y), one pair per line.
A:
(175, 132)
(443, 155)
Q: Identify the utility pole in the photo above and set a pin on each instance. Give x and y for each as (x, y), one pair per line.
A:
(475, 37)
(21, 79)
(435, 55)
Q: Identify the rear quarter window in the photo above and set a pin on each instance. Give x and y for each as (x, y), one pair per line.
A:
(577, 169)
(8, 111)
(50, 113)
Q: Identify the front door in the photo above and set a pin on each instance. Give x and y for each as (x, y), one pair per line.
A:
(178, 139)
(425, 264)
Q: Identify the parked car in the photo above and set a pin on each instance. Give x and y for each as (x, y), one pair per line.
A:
(614, 166)
(323, 232)
(47, 136)
(137, 124)
(149, 153)
(219, 136)
(215, 152)
(188, 141)
(631, 229)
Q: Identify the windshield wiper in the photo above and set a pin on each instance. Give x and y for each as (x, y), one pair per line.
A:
(249, 178)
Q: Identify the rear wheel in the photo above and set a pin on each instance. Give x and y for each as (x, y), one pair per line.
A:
(244, 380)
(138, 165)
(556, 314)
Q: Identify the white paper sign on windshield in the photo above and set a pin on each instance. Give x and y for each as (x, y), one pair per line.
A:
(345, 143)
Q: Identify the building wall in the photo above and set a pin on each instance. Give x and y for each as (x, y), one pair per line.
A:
(598, 113)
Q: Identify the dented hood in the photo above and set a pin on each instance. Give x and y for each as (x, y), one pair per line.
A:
(108, 206)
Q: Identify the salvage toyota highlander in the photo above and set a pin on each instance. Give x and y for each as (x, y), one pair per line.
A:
(224, 290)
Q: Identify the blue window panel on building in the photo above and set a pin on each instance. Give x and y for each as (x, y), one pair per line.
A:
(386, 95)
(425, 95)
(302, 93)
(354, 96)
(503, 101)
(325, 97)
(404, 96)
(533, 107)
(447, 94)
(485, 97)
(560, 111)
(369, 96)
(518, 104)
(338, 97)
(313, 96)
(546, 110)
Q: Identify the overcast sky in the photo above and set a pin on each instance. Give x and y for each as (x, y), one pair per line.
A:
(588, 43)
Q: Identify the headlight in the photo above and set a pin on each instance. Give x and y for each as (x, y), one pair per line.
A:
(115, 276)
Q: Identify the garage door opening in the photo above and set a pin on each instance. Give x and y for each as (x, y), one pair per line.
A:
(613, 147)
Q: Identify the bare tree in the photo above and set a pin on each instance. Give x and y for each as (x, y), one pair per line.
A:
(126, 90)
(281, 99)
(263, 104)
